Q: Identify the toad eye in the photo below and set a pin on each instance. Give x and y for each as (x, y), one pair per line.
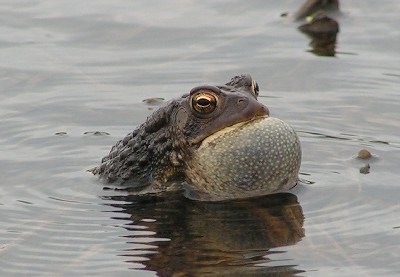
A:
(256, 88)
(204, 102)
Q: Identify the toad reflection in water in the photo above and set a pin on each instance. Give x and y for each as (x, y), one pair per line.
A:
(198, 238)
(323, 31)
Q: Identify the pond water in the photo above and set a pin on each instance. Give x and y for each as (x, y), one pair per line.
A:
(73, 69)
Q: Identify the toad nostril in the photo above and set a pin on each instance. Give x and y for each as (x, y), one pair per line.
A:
(264, 111)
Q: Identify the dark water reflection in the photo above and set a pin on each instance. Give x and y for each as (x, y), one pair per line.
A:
(200, 238)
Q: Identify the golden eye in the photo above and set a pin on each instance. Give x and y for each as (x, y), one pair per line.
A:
(204, 102)
(255, 88)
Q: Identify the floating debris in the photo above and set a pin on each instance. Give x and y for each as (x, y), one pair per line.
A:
(153, 101)
(319, 24)
(365, 169)
(364, 154)
(306, 182)
(284, 14)
(60, 133)
(96, 133)
(312, 6)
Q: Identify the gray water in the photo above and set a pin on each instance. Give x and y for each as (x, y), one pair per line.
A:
(71, 68)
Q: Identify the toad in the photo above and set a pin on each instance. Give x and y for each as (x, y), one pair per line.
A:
(216, 142)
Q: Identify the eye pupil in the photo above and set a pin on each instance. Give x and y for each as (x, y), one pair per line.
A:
(203, 102)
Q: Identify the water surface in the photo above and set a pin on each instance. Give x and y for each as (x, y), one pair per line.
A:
(72, 67)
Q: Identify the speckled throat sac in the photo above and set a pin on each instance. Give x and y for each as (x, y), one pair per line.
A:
(247, 159)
